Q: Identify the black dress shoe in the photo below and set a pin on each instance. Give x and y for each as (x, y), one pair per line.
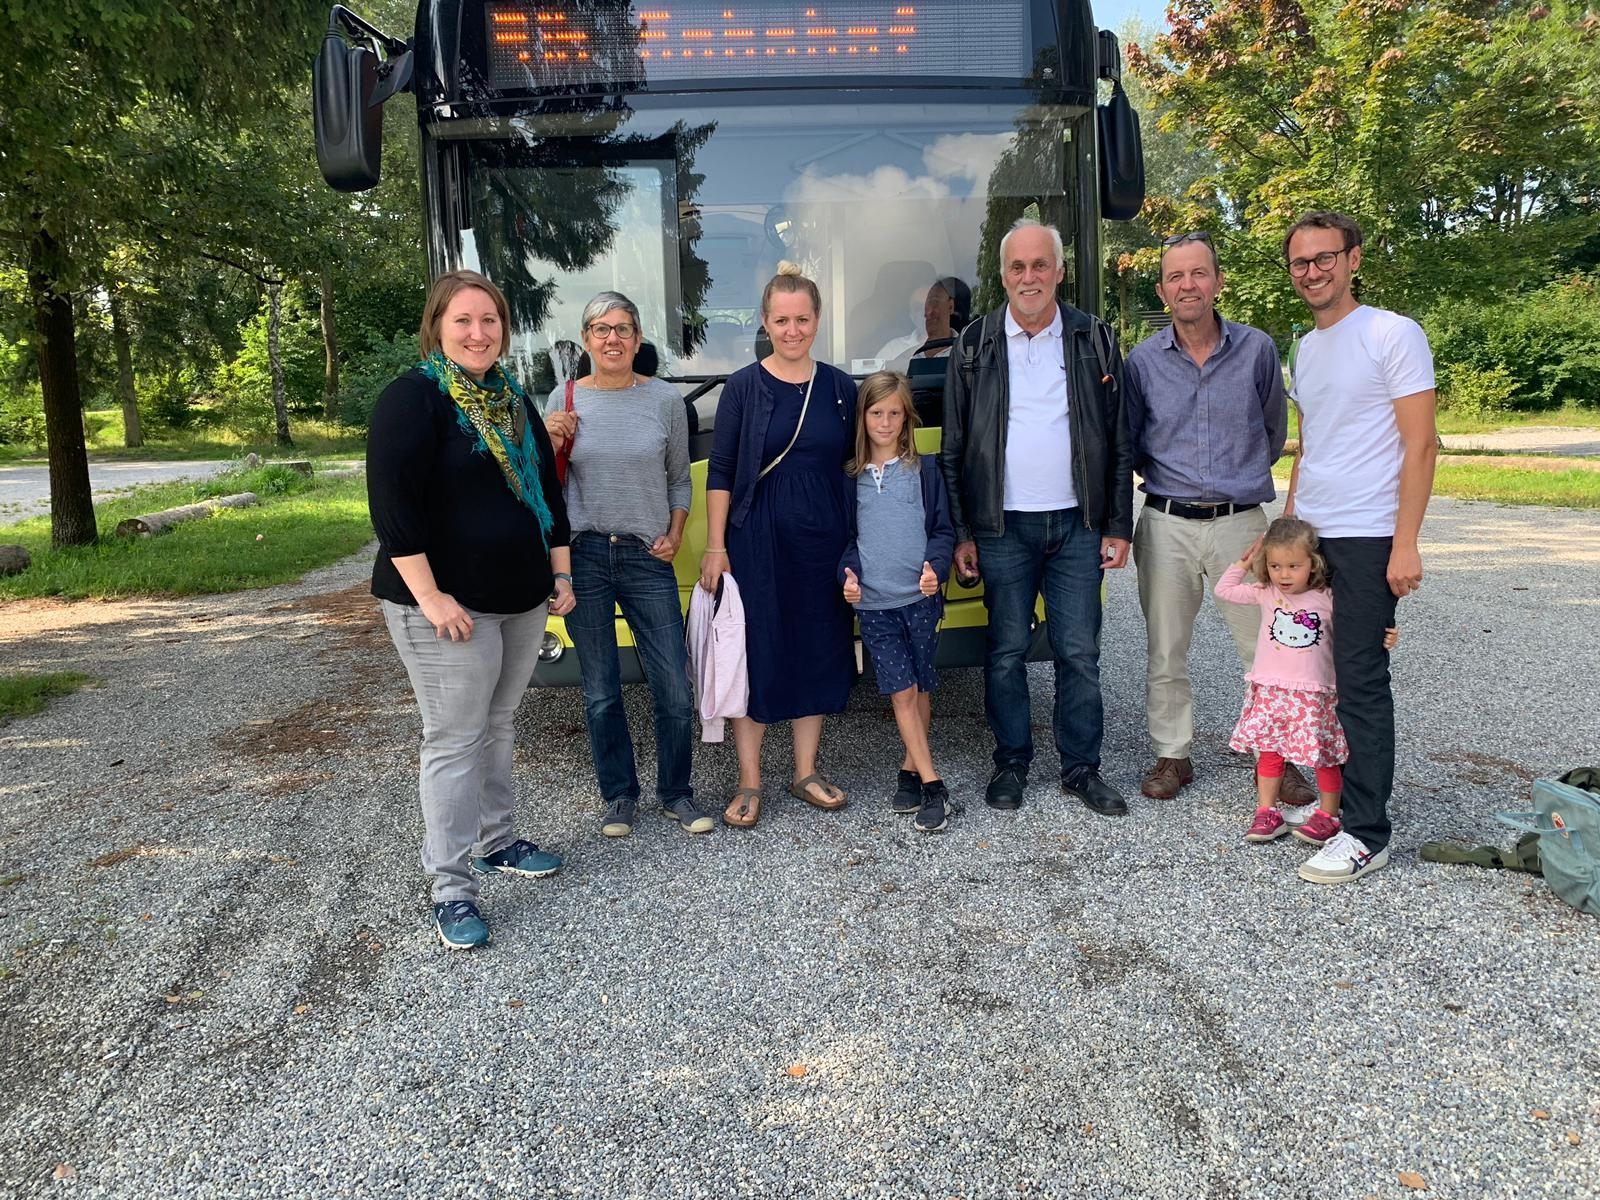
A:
(1005, 787)
(1095, 792)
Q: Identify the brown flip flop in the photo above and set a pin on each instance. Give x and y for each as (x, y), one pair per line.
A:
(799, 790)
(744, 810)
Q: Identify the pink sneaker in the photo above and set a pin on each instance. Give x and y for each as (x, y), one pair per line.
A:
(1318, 829)
(1268, 824)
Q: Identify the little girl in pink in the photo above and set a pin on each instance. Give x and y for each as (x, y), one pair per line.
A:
(1289, 694)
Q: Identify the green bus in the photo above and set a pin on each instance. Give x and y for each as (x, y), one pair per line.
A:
(677, 152)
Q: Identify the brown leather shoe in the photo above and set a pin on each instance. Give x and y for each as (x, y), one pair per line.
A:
(1164, 780)
(1294, 790)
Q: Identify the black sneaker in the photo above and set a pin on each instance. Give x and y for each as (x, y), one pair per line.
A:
(936, 809)
(908, 795)
(1005, 787)
(1085, 783)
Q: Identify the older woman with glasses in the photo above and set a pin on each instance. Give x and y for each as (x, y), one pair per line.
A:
(627, 492)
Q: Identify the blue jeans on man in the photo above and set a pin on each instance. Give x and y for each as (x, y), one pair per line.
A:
(1054, 554)
(609, 570)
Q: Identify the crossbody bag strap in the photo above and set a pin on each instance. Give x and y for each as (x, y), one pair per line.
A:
(804, 404)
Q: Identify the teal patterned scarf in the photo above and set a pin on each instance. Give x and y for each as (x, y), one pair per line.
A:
(493, 414)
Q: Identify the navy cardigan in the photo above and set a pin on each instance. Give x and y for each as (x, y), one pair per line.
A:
(935, 522)
(743, 413)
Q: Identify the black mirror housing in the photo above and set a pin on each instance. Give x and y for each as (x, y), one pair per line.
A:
(1121, 157)
(347, 117)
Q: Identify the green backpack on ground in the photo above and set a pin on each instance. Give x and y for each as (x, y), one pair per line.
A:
(1566, 820)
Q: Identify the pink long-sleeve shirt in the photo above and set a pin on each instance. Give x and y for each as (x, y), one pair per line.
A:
(1295, 646)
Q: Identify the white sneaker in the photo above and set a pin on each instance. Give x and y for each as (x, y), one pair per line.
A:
(1343, 859)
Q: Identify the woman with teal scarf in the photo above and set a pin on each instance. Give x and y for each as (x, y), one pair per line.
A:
(472, 534)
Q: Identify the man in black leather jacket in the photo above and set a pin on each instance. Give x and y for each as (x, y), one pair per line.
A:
(1039, 465)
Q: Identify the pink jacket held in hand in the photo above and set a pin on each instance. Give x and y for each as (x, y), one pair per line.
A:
(716, 657)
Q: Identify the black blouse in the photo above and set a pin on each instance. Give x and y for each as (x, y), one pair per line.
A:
(431, 492)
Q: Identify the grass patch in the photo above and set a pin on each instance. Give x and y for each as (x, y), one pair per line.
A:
(1575, 487)
(300, 524)
(1552, 485)
(313, 439)
(24, 695)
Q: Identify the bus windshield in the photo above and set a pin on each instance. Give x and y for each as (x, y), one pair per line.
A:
(895, 209)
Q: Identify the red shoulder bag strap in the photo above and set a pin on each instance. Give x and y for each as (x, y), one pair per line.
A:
(564, 454)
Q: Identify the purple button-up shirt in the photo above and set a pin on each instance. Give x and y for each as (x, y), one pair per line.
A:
(1207, 434)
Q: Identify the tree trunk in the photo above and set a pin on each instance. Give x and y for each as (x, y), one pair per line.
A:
(280, 402)
(132, 435)
(71, 503)
(330, 350)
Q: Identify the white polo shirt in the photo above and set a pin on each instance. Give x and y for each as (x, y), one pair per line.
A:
(1346, 380)
(1038, 474)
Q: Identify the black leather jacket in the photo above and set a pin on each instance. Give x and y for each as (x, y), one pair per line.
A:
(977, 414)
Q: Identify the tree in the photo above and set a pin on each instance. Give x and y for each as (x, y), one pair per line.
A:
(89, 94)
(1462, 134)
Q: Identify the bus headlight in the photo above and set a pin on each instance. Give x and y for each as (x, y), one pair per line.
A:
(551, 649)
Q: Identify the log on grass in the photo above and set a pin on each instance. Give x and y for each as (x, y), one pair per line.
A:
(153, 523)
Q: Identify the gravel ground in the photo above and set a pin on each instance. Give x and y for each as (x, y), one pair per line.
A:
(216, 980)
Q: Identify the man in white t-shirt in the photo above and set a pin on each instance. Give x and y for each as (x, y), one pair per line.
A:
(1363, 382)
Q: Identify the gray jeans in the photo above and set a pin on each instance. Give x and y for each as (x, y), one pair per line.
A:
(468, 693)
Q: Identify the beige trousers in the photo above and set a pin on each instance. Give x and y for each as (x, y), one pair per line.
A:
(1180, 560)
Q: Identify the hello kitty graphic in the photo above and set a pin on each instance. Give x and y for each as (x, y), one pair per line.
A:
(1298, 630)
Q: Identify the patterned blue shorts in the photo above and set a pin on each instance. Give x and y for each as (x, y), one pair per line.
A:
(902, 641)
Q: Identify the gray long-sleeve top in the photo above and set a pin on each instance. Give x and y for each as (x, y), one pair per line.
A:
(1207, 434)
(630, 462)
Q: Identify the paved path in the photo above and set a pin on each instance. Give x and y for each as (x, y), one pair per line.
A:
(1531, 439)
(25, 491)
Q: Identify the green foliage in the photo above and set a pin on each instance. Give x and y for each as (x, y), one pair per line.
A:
(1462, 134)
(1544, 344)
(25, 694)
(367, 374)
(165, 396)
(316, 523)
(243, 386)
(21, 416)
(1475, 393)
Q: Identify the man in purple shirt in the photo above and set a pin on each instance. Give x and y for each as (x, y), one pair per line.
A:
(1207, 416)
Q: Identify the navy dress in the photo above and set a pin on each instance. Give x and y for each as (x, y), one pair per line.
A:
(798, 645)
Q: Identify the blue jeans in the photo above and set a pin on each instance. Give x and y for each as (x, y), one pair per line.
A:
(1050, 552)
(608, 570)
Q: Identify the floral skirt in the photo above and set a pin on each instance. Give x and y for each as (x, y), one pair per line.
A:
(1301, 726)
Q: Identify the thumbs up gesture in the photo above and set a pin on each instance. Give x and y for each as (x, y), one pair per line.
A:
(929, 583)
(852, 587)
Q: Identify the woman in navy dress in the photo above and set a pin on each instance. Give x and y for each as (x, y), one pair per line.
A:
(776, 518)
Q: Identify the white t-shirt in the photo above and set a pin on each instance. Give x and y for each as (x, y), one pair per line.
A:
(1346, 380)
(1038, 437)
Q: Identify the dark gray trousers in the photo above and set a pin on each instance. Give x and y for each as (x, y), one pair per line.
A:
(1363, 609)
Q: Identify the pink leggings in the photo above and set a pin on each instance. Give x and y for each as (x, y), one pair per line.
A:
(1329, 779)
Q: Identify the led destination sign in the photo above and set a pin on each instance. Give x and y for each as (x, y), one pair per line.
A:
(533, 45)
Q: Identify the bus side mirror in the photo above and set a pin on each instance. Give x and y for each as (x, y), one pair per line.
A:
(1121, 157)
(349, 126)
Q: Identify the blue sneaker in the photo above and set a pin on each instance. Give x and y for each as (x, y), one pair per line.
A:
(460, 925)
(519, 858)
